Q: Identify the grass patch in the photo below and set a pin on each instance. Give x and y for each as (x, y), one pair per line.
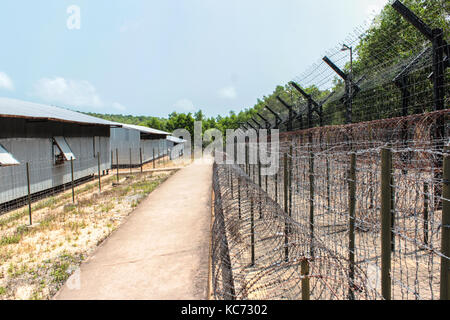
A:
(107, 207)
(47, 222)
(16, 271)
(59, 272)
(7, 240)
(69, 208)
(2, 291)
(75, 225)
(13, 217)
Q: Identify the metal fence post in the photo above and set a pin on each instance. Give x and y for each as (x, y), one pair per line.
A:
(351, 208)
(247, 162)
(386, 223)
(392, 207)
(290, 181)
(328, 184)
(131, 163)
(259, 182)
(259, 171)
(328, 176)
(286, 223)
(371, 191)
(73, 182)
(254, 173)
(305, 279)
(266, 177)
(117, 164)
(99, 175)
(311, 200)
(445, 238)
(285, 183)
(425, 212)
(231, 183)
(252, 232)
(29, 193)
(239, 196)
(140, 159)
(276, 187)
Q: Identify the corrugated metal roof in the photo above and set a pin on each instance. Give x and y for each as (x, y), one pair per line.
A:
(175, 139)
(22, 109)
(143, 129)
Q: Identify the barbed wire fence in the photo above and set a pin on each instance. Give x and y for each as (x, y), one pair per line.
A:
(315, 229)
(358, 208)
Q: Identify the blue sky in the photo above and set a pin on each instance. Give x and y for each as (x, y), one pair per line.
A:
(147, 57)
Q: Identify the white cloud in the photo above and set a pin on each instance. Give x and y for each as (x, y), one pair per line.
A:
(118, 106)
(228, 93)
(68, 92)
(6, 82)
(184, 104)
(376, 6)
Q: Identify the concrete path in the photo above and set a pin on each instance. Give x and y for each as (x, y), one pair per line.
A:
(161, 252)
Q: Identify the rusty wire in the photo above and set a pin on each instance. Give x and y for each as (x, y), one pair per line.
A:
(263, 228)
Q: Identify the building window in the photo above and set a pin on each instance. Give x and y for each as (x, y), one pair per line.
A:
(6, 158)
(61, 150)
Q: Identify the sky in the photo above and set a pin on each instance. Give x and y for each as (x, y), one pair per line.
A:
(148, 57)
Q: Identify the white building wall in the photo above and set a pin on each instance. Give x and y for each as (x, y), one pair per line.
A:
(124, 140)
